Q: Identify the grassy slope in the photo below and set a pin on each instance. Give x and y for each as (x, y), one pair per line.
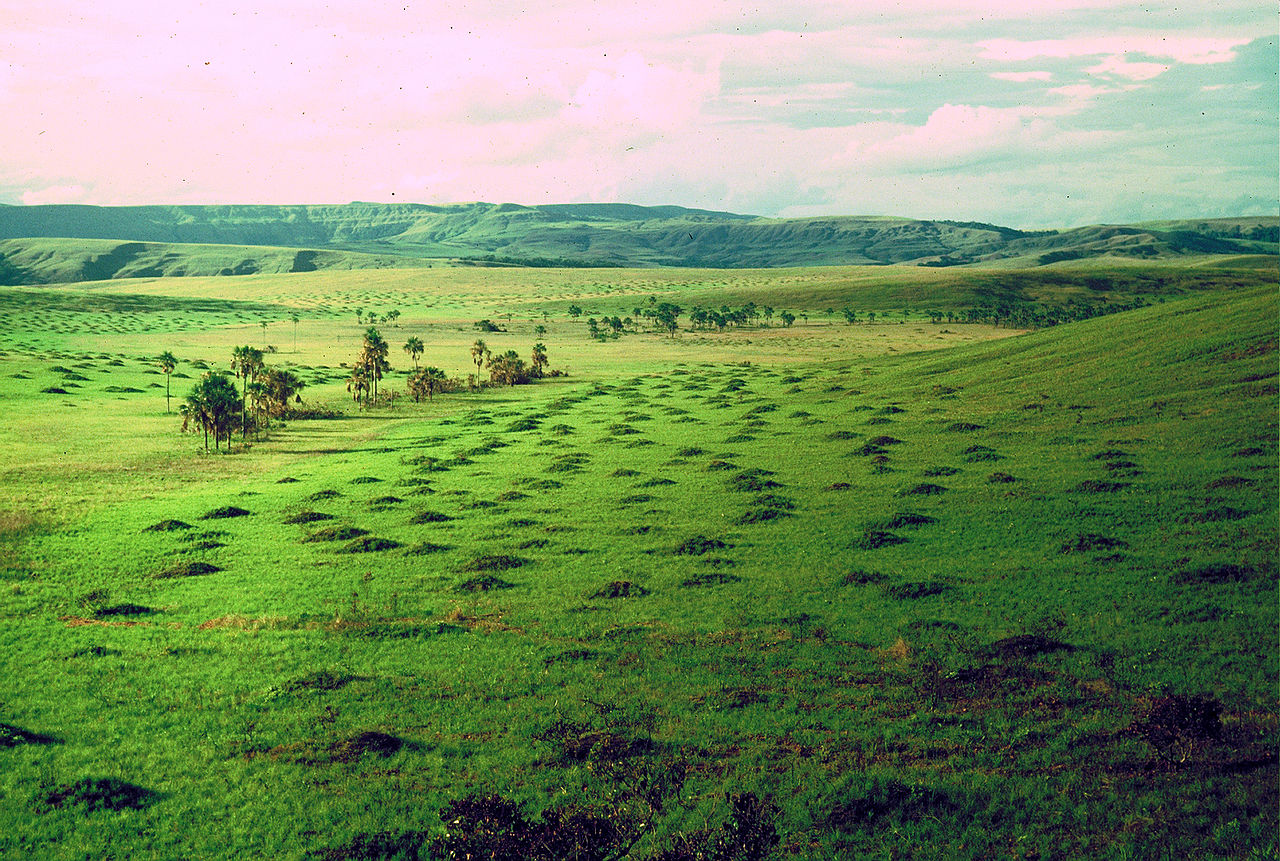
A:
(622, 235)
(872, 694)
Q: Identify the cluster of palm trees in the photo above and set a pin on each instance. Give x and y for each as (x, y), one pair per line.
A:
(216, 407)
(369, 368)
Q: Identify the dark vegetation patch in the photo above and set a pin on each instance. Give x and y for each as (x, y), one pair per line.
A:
(12, 736)
(533, 544)
(884, 440)
(862, 577)
(364, 743)
(938, 471)
(1216, 515)
(698, 545)
(1026, 646)
(881, 803)
(542, 483)
(1094, 485)
(721, 465)
(963, 427)
(635, 499)
(512, 496)
(483, 583)
(1213, 573)
(656, 482)
(873, 539)
(690, 451)
(1229, 481)
(224, 512)
(761, 515)
(323, 494)
(123, 610)
(308, 517)
(370, 544)
(1088, 542)
(839, 485)
(623, 472)
(187, 569)
(336, 533)
(1000, 478)
(365, 479)
(426, 548)
(54, 390)
(288, 479)
(923, 489)
(711, 578)
(1175, 725)
(167, 526)
(385, 502)
(430, 517)
(836, 436)
(91, 794)
(980, 453)
(620, 589)
(753, 481)
(916, 590)
(902, 519)
(495, 562)
(371, 846)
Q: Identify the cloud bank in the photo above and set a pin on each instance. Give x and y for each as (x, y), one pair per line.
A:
(1078, 111)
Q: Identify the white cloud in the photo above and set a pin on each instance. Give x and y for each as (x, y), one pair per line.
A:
(1022, 77)
(55, 194)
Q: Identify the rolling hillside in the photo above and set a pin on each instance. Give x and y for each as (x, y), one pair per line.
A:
(561, 235)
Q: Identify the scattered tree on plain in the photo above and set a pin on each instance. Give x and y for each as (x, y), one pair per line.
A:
(427, 382)
(414, 348)
(212, 405)
(167, 362)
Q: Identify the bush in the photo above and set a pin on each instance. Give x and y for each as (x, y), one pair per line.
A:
(224, 512)
(336, 533)
(698, 545)
(621, 589)
(188, 569)
(370, 544)
(873, 539)
(167, 526)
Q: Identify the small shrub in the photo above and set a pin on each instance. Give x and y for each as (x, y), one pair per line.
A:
(224, 512)
(1000, 478)
(753, 481)
(884, 440)
(385, 501)
(323, 494)
(903, 519)
(923, 489)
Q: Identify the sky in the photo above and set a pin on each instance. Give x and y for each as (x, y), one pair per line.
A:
(1052, 113)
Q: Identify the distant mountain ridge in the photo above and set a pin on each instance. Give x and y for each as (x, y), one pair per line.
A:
(35, 246)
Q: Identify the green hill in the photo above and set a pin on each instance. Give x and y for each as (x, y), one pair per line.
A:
(588, 234)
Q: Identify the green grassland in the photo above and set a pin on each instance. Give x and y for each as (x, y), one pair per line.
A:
(891, 589)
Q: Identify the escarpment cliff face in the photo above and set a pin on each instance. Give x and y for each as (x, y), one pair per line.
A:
(54, 244)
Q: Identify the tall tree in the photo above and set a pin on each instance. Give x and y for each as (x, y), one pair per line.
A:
(414, 348)
(295, 318)
(508, 369)
(212, 404)
(167, 363)
(247, 363)
(373, 358)
(479, 354)
(427, 382)
(539, 361)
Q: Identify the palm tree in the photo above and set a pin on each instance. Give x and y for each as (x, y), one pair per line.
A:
(373, 359)
(212, 405)
(414, 348)
(247, 363)
(539, 360)
(479, 354)
(295, 318)
(167, 363)
(427, 381)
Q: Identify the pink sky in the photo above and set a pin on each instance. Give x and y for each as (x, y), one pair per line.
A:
(999, 111)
